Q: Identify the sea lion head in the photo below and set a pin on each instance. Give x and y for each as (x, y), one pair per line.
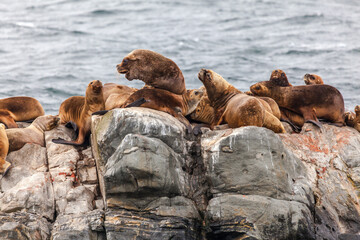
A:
(94, 87)
(46, 122)
(262, 88)
(193, 96)
(7, 119)
(278, 77)
(203, 112)
(215, 84)
(357, 110)
(311, 79)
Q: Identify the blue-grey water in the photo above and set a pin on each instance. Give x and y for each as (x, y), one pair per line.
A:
(51, 49)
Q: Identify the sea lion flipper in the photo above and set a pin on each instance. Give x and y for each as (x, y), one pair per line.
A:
(62, 141)
(136, 103)
(316, 123)
(197, 128)
(6, 168)
(102, 112)
(293, 126)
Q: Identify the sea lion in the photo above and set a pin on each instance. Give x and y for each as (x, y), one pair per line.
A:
(115, 95)
(78, 109)
(165, 101)
(353, 119)
(34, 133)
(309, 101)
(17, 109)
(234, 107)
(4, 148)
(154, 69)
(278, 77)
(311, 79)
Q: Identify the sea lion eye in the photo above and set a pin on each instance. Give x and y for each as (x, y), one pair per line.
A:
(312, 77)
(125, 61)
(196, 93)
(257, 87)
(283, 75)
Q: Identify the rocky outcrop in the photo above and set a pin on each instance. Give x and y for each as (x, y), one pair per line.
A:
(145, 178)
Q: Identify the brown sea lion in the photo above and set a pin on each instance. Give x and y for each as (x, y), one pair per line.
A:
(311, 79)
(79, 109)
(353, 119)
(278, 77)
(309, 101)
(34, 133)
(154, 69)
(165, 101)
(234, 107)
(17, 109)
(4, 148)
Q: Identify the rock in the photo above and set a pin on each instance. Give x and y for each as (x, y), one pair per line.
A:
(232, 216)
(253, 161)
(88, 226)
(23, 226)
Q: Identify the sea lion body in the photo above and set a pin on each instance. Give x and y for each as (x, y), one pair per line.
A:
(4, 148)
(34, 133)
(309, 101)
(312, 79)
(78, 109)
(235, 108)
(154, 69)
(17, 109)
(113, 88)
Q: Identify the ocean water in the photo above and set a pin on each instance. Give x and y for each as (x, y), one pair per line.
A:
(51, 49)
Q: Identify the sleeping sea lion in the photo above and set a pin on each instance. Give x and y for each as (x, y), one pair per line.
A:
(79, 109)
(176, 105)
(4, 148)
(235, 108)
(115, 95)
(311, 79)
(34, 133)
(154, 69)
(17, 109)
(309, 101)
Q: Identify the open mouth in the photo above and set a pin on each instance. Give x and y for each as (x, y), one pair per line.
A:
(122, 71)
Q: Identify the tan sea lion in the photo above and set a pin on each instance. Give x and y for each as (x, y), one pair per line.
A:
(309, 101)
(165, 101)
(34, 133)
(353, 119)
(115, 95)
(154, 69)
(4, 148)
(79, 109)
(17, 109)
(311, 79)
(234, 107)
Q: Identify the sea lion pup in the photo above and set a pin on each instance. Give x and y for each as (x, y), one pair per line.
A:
(154, 69)
(309, 101)
(17, 109)
(176, 105)
(4, 148)
(311, 79)
(78, 110)
(234, 107)
(279, 78)
(34, 133)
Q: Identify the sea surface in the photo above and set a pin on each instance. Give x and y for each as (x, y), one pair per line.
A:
(51, 49)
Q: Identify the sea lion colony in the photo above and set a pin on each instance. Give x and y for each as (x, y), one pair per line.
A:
(217, 102)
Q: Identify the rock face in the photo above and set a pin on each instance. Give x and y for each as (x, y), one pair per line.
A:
(145, 178)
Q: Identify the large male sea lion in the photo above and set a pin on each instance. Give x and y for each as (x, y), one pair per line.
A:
(17, 109)
(234, 107)
(4, 148)
(79, 109)
(311, 79)
(154, 69)
(309, 101)
(34, 133)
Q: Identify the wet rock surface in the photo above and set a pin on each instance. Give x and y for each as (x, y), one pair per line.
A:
(144, 177)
